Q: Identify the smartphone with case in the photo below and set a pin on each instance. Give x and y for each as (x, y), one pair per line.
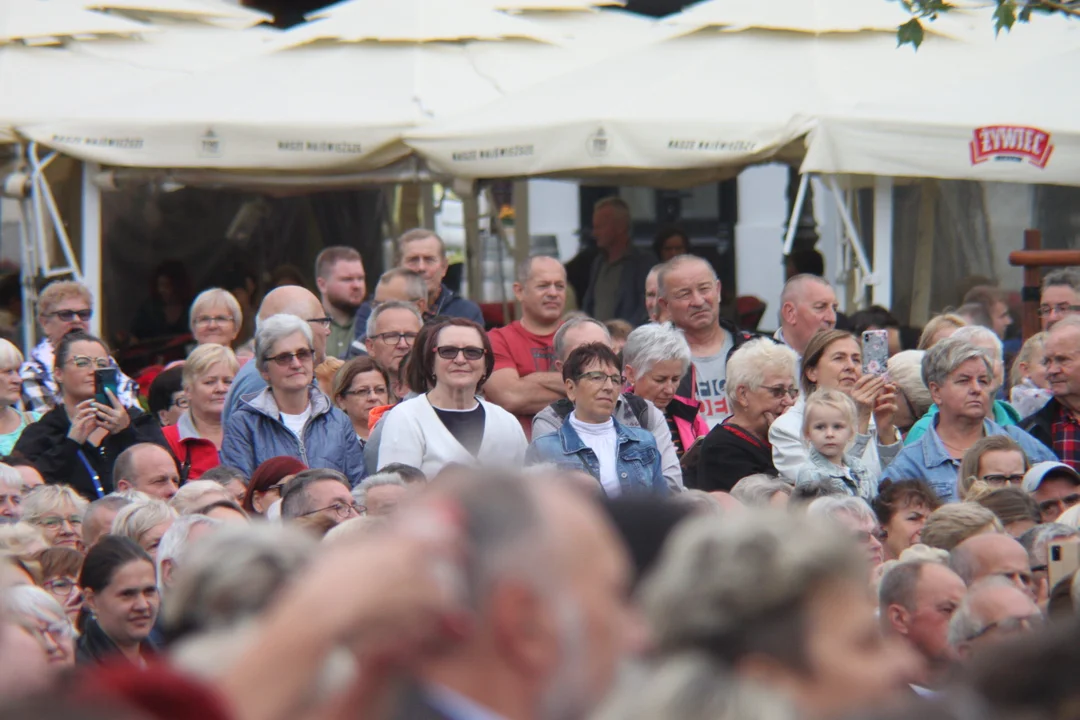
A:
(875, 352)
(1063, 559)
(105, 379)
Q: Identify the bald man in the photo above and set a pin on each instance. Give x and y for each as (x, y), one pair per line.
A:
(289, 300)
(993, 555)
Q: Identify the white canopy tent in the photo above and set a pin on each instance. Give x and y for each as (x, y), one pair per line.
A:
(40, 22)
(210, 12)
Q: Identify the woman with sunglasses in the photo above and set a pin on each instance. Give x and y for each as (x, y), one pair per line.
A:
(291, 416)
(77, 442)
(267, 481)
(448, 422)
(761, 386)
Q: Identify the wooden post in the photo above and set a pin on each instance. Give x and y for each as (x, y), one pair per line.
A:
(1032, 258)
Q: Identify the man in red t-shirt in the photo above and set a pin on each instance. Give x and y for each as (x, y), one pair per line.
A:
(524, 381)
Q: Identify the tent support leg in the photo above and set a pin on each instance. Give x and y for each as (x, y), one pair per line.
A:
(91, 241)
(852, 234)
(473, 260)
(883, 241)
(796, 213)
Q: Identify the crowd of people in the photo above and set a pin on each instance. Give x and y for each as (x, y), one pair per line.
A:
(379, 507)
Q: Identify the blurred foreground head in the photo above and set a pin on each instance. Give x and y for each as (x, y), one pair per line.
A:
(784, 603)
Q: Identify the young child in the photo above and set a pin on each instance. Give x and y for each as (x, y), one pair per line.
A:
(829, 429)
(1030, 391)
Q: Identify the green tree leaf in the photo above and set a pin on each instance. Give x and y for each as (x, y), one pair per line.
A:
(1004, 15)
(910, 32)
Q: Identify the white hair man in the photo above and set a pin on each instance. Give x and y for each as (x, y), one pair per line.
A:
(286, 300)
(689, 292)
(380, 494)
(524, 381)
(148, 468)
(339, 275)
(992, 611)
(916, 600)
(550, 622)
(63, 306)
(617, 277)
(807, 306)
(10, 494)
(630, 410)
(400, 286)
(1057, 424)
(185, 531)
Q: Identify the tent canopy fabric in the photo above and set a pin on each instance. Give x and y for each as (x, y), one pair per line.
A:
(211, 12)
(810, 16)
(50, 21)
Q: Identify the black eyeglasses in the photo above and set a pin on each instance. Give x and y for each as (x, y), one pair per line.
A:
(393, 338)
(323, 322)
(449, 352)
(340, 509)
(1014, 479)
(181, 402)
(70, 315)
(1061, 309)
(779, 391)
(285, 359)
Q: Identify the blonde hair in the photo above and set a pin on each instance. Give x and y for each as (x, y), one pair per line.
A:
(1029, 353)
(135, 520)
(834, 399)
(325, 372)
(20, 538)
(938, 324)
(10, 355)
(968, 474)
(952, 524)
(48, 498)
(55, 293)
(216, 297)
(203, 358)
(195, 495)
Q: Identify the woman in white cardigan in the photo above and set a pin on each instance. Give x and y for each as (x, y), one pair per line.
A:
(833, 360)
(449, 423)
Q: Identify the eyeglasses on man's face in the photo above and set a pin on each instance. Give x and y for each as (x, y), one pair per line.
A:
(285, 359)
(71, 315)
(1060, 309)
(449, 352)
(393, 338)
(323, 322)
(341, 510)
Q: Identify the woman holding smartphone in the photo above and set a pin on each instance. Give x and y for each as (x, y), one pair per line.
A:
(77, 442)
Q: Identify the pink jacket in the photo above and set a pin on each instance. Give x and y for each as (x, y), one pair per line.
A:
(688, 420)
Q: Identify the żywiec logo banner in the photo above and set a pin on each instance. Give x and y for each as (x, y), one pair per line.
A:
(1014, 143)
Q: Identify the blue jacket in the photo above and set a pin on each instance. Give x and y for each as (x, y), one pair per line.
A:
(637, 464)
(255, 434)
(1004, 415)
(927, 459)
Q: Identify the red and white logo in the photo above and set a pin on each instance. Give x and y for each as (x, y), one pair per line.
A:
(1014, 143)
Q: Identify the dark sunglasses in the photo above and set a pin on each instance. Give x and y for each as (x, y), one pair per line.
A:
(449, 352)
(285, 359)
(70, 315)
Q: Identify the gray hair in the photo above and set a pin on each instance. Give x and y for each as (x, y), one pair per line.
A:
(136, 519)
(905, 369)
(1037, 539)
(965, 625)
(274, 329)
(1066, 277)
(36, 606)
(736, 587)
(653, 343)
(752, 361)
(981, 337)
(216, 297)
(45, 499)
(10, 476)
(373, 318)
(758, 490)
(675, 263)
(831, 509)
(415, 287)
(945, 356)
(192, 495)
(175, 540)
(412, 236)
(524, 268)
(360, 492)
(294, 496)
(559, 341)
(225, 474)
(233, 575)
(899, 583)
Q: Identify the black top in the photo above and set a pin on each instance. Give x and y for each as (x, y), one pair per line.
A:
(728, 454)
(95, 646)
(60, 460)
(467, 426)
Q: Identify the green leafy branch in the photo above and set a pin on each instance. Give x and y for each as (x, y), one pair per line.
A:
(1006, 14)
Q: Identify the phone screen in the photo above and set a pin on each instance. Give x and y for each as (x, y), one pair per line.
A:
(105, 379)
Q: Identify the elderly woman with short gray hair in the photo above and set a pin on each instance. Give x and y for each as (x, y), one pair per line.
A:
(145, 523)
(959, 376)
(761, 386)
(655, 359)
(290, 416)
(216, 317)
(998, 411)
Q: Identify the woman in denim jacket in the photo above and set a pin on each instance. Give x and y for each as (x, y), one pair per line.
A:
(622, 459)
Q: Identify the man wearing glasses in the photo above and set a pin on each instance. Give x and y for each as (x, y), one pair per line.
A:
(992, 612)
(319, 492)
(62, 307)
(1060, 296)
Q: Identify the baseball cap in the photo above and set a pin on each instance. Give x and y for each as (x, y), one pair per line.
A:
(1033, 478)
